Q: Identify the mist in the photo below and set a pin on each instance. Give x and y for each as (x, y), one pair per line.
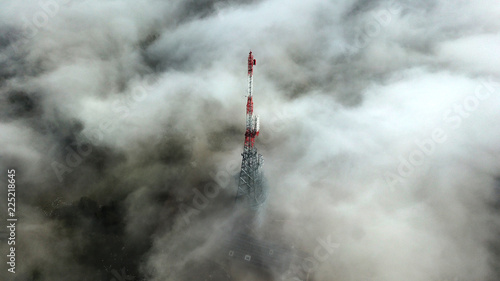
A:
(125, 122)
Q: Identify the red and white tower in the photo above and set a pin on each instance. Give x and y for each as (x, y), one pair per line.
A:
(251, 186)
(252, 121)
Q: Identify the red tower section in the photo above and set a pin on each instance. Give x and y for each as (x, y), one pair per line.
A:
(252, 128)
(251, 62)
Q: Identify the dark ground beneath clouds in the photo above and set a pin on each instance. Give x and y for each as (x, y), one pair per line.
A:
(116, 115)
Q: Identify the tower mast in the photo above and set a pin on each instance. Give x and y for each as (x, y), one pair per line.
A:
(251, 187)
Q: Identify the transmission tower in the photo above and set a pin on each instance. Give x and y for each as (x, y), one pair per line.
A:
(251, 186)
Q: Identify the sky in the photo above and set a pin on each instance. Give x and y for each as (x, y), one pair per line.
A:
(124, 121)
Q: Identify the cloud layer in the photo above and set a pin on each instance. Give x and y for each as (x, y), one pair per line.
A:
(125, 121)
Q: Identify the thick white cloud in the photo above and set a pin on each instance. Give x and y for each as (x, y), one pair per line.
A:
(378, 125)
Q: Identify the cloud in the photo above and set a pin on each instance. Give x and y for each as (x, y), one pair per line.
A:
(124, 121)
